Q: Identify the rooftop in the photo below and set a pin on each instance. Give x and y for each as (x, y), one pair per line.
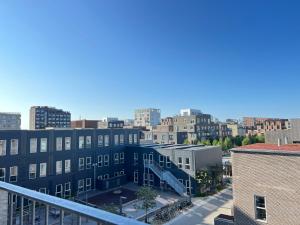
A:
(269, 147)
(179, 147)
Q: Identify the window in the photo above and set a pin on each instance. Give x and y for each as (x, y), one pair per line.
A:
(43, 144)
(121, 139)
(106, 140)
(260, 208)
(187, 163)
(116, 158)
(122, 172)
(32, 171)
(81, 142)
(81, 186)
(81, 164)
(68, 166)
(100, 161)
(122, 157)
(88, 161)
(88, 184)
(13, 174)
(43, 169)
(88, 141)
(43, 190)
(58, 167)
(106, 176)
(106, 160)
(130, 139)
(2, 174)
(116, 139)
(59, 142)
(151, 158)
(58, 190)
(67, 143)
(168, 162)
(100, 140)
(161, 160)
(14, 146)
(135, 138)
(135, 157)
(136, 177)
(2, 147)
(33, 145)
(67, 189)
(180, 162)
(116, 174)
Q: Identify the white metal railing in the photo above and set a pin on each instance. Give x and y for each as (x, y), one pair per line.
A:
(63, 205)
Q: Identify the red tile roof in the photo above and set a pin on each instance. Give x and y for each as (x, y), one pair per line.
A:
(260, 146)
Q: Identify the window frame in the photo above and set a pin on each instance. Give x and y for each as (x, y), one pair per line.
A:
(261, 208)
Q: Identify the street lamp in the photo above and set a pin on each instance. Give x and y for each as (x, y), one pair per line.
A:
(121, 203)
(94, 165)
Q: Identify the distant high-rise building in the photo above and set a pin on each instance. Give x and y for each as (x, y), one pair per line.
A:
(146, 117)
(10, 121)
(190, 112)
(42, 117)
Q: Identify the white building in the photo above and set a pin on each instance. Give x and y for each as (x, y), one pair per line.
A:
(190, 112)
(10, 121)
(147, 117)
(109, 119)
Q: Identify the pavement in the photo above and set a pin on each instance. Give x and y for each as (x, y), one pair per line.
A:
(206, 209)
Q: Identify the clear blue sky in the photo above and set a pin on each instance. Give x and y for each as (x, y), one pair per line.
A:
(97, 58)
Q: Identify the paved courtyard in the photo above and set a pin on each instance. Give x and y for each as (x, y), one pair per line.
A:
(206, 209)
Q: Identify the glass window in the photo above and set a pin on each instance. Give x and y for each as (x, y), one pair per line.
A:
(43, 169)
(88, 162)
(161, 160)
(2, 174)
(106, 140)
(58, 167)
(116, 158)
(81, 163)
(14, 146)
(130, 139)
(168, 162)
(88, 141)
(13, 174)
(43, 144)
(180, 162)
(187, 163)
(68, 143)
(2, 147)
(67, 189)
(88, 184)
(122, 157)
(260, 208)
(81, 142)
(58, 190)
(58, 143)
(106, 160)
(81, 186)
(100, 140)
(68, 166)
(122, 139)
(32, 171)
(116, 139)
(100, 161)
(33, 145)
(135, 157)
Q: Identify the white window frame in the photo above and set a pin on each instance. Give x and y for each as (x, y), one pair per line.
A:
(187, 165)
(44, 145)
(100, 140)
(14, 146)
(81, 162)
(32, 171)
(33, 145)
(161, 160)
(88, 142)
(88, 184)
(135, 139)
(81, 142)
(67, 165)
(80, 186)
(2, 147)
(58, 167)
(67, 189)
(116, 139)
(106, 140)
(68, 143)
(130, 139)
(100, 160)
(106, 160)
(168, 162)
(122, 158)
(179, 164)
(43, 172)
(88, 162)
(59, 144)
(136, 157)
(116, 158)
(13, 173)
(59, 193)
(121, 139)
(261, 208)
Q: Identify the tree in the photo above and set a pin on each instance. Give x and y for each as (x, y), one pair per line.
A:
(186, 141)
(227, 144)
(147, 196)
(215, 142)
(110, 208)
(238, 140)
(246, 141)
(260, 138)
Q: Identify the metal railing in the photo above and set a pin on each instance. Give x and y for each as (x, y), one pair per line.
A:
(97, 216)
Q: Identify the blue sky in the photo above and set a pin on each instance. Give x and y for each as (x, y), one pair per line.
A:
(98, 58)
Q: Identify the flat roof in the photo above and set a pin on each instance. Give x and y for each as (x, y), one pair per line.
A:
(178, 147)
(260, 147)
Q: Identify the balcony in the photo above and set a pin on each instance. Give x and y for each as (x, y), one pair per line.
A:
(23, 206)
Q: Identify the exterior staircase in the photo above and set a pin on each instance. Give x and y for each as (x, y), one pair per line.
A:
(166, 176)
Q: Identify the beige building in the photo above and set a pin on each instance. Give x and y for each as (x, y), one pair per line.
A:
(266, 184)
(236, 129)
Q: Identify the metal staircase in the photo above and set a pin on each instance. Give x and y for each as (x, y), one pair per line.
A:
(166, 176)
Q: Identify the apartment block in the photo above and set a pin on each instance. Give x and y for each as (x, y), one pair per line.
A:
(190, 112)
(236, 129)
(266, 180)
(42, 117)
(110, 124)
(84, 123)
(10, 121)
(147, 117)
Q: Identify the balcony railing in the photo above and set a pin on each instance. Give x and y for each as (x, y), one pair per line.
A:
(21, 212)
